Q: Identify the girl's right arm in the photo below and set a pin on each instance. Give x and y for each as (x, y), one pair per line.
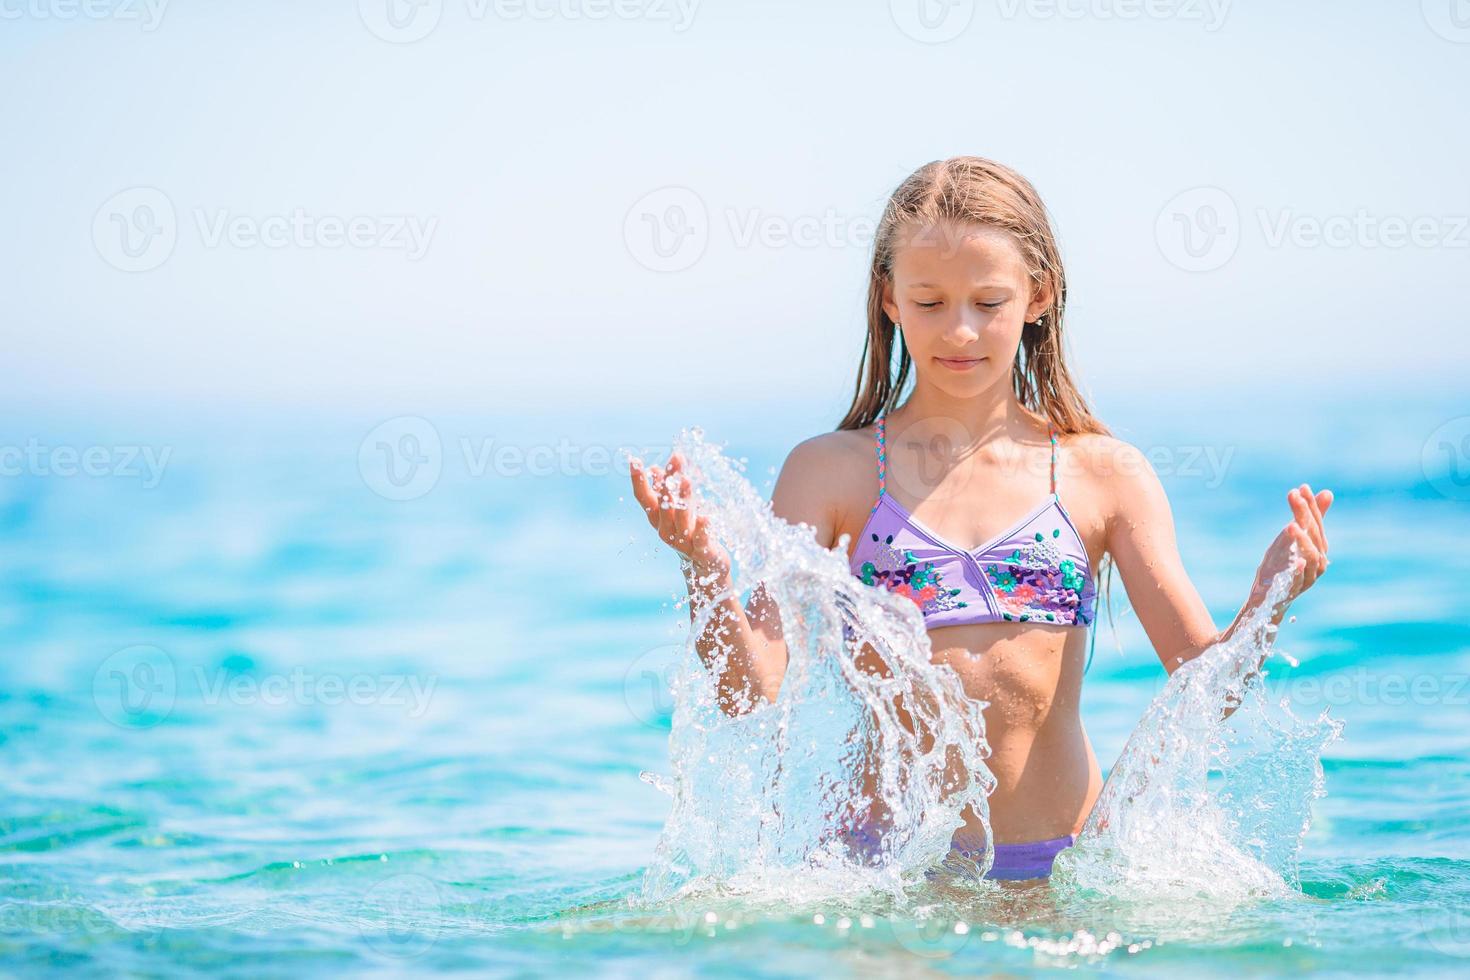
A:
(751, 636)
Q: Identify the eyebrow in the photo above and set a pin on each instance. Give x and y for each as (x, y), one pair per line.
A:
(983, 285)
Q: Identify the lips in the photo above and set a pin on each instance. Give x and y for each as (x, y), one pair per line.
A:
(959, 363)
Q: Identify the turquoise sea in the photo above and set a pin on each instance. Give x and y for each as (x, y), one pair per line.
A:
(285, 703)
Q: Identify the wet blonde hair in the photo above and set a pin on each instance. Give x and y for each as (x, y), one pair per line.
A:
(950, 193)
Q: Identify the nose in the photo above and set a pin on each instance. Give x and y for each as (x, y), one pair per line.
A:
(964, 330)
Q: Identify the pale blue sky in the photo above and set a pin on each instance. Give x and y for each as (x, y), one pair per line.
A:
(523, 150)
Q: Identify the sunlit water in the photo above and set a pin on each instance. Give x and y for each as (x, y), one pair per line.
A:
(261, 718)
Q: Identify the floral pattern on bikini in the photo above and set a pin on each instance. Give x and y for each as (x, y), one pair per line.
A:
(901, 572)
(1034, 583)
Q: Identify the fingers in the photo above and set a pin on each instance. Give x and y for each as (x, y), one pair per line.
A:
(1306, 516)
(651, 488)
(642, 492)
(1308, 565)
(1306, 520)
(681, 515)
(668, 503)
(1321, 529)
(1323, 500)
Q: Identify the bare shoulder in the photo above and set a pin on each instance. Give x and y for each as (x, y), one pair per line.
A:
(1116, 474)
(826, 478)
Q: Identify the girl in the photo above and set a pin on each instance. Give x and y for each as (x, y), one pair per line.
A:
(987, 496)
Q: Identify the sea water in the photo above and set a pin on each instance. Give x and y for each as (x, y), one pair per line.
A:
(278, 713)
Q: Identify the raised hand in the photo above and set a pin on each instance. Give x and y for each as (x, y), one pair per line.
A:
(666, 496)
(1306, 531)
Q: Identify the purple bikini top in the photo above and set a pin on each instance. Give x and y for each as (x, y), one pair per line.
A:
(1036, 572)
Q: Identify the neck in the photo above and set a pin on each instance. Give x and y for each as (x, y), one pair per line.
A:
(992, 413)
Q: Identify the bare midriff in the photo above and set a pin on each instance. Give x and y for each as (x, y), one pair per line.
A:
(1047, 777)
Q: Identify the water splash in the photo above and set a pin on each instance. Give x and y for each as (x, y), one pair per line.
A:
(763, 801)
(1199, 804)
(1205, 801)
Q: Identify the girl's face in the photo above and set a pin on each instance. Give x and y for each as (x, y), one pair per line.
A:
(961, 296)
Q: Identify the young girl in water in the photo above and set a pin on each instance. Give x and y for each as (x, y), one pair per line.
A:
(987, 496)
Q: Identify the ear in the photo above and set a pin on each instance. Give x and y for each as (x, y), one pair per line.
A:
(890, 305)
(1040, 302)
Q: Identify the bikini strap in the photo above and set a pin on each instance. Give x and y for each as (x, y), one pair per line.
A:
(1053, 432)
(882, 463)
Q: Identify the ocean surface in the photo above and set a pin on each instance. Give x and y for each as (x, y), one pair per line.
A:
(378, 695)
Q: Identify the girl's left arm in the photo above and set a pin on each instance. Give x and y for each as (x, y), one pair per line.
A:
(1140, 537)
